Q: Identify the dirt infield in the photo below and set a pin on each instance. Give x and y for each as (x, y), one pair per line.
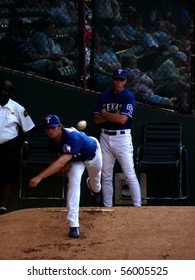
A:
(119, 233)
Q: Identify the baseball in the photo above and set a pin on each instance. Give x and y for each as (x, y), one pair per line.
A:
(81, 125)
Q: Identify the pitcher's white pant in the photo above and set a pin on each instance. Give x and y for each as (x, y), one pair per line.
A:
(77, 168)
(118, 147)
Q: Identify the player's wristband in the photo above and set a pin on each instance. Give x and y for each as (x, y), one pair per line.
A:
(25, 142)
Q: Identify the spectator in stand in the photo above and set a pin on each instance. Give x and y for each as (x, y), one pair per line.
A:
(68, 47)
(59, 12)
(164, 38)
(158, 31)
(91, 50)
(153, 16)
(107, 13)
(141, 84)
(181, 61)
(104, 63)
(164, 21)
(123, 39)
(145, 38)
(165, 31)
(18, 50)
(168, 80)
(106, 57)
(30, 3)
(116, 9)
(185, 18)
(89, 45)
(186, 48)
(43, 42)
(134, 22)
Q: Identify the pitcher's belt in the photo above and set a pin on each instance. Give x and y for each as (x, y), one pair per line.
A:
(115, 132)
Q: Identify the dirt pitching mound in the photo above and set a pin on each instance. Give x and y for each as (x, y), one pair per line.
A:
(118, 233)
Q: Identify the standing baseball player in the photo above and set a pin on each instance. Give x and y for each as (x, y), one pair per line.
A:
(78, 150)
(114, 112)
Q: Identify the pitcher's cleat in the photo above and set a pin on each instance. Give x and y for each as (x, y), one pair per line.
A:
(74, 232)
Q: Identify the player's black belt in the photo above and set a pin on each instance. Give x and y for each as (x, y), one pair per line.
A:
(117, 132)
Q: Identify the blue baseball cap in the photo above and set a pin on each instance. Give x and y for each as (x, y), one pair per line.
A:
(51, 121)
(120, 73)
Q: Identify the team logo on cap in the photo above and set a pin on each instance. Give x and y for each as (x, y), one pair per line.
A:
(48, 119)
(120, 71)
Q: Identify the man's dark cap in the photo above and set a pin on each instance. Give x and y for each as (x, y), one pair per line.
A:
(119, 73)
(51, 121)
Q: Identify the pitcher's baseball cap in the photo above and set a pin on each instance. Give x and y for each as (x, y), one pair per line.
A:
(120, 73)
(51, 121)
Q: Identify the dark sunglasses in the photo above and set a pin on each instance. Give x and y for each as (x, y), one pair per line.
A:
(119, 79)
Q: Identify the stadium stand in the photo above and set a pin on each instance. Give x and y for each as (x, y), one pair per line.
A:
(148, 31)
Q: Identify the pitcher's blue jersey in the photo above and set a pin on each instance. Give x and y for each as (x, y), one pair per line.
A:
(123, 102)
(76, 143)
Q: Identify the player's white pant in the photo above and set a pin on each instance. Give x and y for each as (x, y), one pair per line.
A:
(93, 167)
(118, 147)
